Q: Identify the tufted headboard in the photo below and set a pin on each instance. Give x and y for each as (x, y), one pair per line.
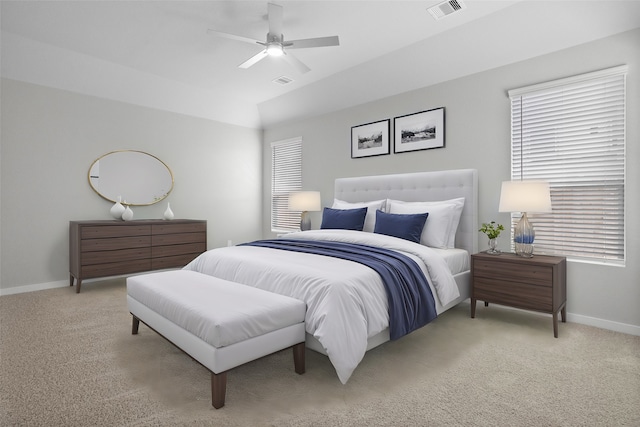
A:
(421, 186)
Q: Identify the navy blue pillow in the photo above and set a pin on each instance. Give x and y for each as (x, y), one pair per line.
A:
(404, 226)
(346, 219)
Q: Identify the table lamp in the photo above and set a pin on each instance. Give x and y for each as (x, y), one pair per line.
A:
(304, 201)
(524, 196)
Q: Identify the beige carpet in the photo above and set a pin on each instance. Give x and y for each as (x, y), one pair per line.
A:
(70, 359)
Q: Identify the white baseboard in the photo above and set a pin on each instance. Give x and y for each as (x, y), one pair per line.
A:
(33, 288)
(604, 324)
(63, 283)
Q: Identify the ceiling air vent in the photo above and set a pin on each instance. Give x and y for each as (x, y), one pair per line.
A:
(445, 8)
(283, 80)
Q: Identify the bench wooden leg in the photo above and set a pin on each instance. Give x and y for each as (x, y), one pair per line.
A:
(298, 358)
(135, 325)
(218, 389)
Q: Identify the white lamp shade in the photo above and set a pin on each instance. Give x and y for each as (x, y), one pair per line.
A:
(525, 196)
(304, 201)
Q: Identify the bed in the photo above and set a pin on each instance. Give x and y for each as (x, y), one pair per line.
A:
(347, 306)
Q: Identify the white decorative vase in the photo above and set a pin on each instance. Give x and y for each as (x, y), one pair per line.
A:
(127, 215)
(117, 209)
(168, 213)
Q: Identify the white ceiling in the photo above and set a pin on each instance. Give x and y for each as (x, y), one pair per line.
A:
(158, 53)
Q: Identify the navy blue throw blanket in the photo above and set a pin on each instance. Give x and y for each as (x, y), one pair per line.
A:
(411, 303)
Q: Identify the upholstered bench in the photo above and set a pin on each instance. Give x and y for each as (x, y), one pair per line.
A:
(218, 323)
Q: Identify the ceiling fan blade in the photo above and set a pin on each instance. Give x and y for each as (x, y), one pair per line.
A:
(254, 59)
(317, 42)
(274, 13)
(302, 68)
(233, 37)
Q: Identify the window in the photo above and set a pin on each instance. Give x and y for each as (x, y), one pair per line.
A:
(571, 133)
(286, 176)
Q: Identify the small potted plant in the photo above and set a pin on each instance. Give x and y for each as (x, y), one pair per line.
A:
(492, 230)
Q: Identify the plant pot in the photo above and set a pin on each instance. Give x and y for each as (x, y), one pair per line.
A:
(492, 247)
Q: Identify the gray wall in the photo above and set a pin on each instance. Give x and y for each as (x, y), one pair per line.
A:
(50, 138)
(477, 136)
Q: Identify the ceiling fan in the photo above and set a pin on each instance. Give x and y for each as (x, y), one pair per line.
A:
(275, 43)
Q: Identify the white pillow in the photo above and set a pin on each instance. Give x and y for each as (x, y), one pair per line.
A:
(457, 213)
(370, 219)
(435, 233)
(442, 222)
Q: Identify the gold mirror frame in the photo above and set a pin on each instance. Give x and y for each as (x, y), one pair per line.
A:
(137, 177)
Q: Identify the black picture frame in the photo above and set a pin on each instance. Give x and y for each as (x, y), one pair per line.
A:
(419, 131)
(370, 139)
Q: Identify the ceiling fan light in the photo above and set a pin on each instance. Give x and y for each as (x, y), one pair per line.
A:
(275, 49)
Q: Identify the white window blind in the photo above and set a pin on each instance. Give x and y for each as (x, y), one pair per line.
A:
(286, 173)
(571, 133)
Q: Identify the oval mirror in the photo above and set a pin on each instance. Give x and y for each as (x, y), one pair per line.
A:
(137, 177)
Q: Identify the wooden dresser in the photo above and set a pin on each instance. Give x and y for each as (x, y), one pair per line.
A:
(537, 283)
(113, 248)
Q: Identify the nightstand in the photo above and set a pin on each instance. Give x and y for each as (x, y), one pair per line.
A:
(538, 283)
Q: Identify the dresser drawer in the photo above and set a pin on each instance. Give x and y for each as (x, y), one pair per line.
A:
(513, 294)
(173, 261)
(115, 268)
(527, 273)
(105, 257)
(109, 231)
(91, 245)
(173, 250)
(176, 239)
(169, 228)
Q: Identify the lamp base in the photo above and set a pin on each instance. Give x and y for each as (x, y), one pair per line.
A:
(523, 237)
(305, 221)
(524, 250)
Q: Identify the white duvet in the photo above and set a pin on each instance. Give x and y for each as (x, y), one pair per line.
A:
(346, 301)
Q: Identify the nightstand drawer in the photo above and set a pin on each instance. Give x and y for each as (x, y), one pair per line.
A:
(513, 294)
(531, 274)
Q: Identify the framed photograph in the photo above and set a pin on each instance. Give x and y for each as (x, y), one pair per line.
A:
(371, 139)
(419, 131)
